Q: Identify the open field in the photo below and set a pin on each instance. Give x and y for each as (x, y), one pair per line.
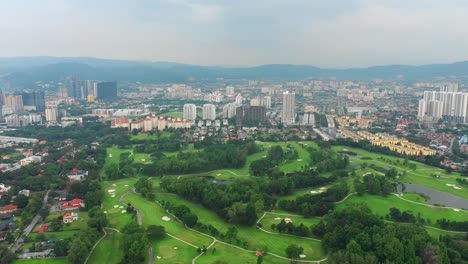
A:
(422, 175)
(381, 207)
(256, 239)
(108, 250)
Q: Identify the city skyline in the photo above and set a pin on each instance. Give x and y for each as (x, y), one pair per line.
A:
(332, 34)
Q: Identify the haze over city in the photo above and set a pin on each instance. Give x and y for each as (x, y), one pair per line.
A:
(333, 34)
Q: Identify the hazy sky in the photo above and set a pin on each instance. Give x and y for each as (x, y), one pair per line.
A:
(325, 33)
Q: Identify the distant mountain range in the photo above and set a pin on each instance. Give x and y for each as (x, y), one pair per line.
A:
(24, 71)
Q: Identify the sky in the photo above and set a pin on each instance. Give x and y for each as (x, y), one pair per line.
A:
(324, 33)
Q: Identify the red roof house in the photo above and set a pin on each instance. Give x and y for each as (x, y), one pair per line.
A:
(8, 209)
(72, 204)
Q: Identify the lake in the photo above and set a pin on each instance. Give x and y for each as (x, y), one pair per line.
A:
(436, 197)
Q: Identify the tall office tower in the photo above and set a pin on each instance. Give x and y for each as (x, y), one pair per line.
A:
(288, 113)
(51, 114)
(106, 90)
(209, 112)
(190, 111)
(74, 85)
(230, 92)
(229, 110)
(15, 103)
(90, 87)
(239, 99)
(35, 98)
(62, 91)
(83, 91)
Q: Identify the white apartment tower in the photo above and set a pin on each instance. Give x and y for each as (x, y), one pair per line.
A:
(288, 113)
(209, 112)
(51, 114)
(447, 104)
(239, 99)
(190, 111)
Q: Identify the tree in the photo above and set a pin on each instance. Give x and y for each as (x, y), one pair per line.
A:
(61, 247)
(294, 251)
(155, 232)
(97, 218)
(21, 201)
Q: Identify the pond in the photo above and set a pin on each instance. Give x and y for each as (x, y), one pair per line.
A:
(436, 197)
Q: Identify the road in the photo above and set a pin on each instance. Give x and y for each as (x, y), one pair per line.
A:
(16, 245)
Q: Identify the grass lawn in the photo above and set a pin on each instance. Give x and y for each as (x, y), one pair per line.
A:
(108, 250)
(175, 114)
(224, 252)
(416, 197)
(256, 239)
(270, 219)
(57, 235)
(152, 214)
(422, 175)
(303, 159)
(381, 207)
(43, 261)
(143, 158)
(172, 251)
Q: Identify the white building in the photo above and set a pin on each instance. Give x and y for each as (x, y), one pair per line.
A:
(230, 92)
(190, 111)
(288, 113)
(51, 114)
(229, 110)
(447, 104)
(239, 99)
(209, 112)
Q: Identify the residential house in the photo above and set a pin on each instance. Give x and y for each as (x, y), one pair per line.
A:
(74, 204)
(70, 217)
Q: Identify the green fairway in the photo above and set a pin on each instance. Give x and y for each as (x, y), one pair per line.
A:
(172, 251)
(381, 207)
(111, 205)
(108, 250)
(423, 175)
(113, 154)
(255, 238)
(43, 261)
(152, 214)
(415, 197)
(226, 253)
(272, 218)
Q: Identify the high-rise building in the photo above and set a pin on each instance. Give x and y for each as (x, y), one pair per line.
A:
(106, 90)
(190, 112)
(15, 103)
(35, 98)
(209, 112)
(51, 114)
(74, 89)
(267, 101)
(250, 113)
(288, 113)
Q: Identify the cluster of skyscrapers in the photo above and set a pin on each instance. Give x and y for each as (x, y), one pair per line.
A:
(19, 102)
(447, 104)
(88, 90)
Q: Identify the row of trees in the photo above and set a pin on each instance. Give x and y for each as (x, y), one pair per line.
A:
(213, 157)
(453, 225)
